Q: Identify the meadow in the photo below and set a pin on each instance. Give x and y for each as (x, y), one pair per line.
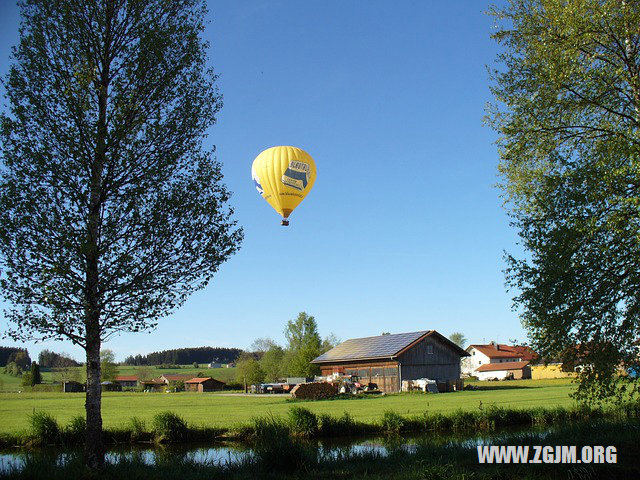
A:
(223, 410)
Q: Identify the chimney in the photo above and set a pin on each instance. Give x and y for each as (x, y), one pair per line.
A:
(497, 346)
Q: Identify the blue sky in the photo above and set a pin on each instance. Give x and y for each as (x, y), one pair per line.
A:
(404, 229)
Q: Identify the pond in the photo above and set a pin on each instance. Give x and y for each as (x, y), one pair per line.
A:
(221, 453)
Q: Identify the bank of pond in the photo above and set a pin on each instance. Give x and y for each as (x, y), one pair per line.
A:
(324, 446)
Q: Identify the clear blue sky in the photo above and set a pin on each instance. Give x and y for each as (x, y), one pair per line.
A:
(404, 229)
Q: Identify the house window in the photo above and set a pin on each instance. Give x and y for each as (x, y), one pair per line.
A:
(429, 349)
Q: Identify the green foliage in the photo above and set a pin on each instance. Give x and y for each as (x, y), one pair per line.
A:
(248, 370)
(265, 428)
(303, 422)
(303, 345)
(392, 422)
(458, 338)
(271, 363)
(108, 367)
(36, 377)
(12, 369)
(44, 428)
(20, 357)
(144, 373)
(149, 194)
(8, 354)
(169, 427)
(50, 359)
(27, 380)
(567, 112)
(138, 428)
(75, 429)
(344, 425)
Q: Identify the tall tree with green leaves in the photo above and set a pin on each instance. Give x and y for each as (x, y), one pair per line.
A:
(567, 90)
(112, 212)
(272, 363)
(108, 368)
(458, 338)
(248, 370)
(303, 345)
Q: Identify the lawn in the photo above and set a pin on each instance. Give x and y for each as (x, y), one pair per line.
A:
(224, 410)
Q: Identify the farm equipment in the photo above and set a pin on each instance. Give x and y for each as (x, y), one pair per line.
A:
(352, 384)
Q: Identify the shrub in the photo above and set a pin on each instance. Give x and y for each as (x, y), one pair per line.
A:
(169, 427)
(303, 422)
(138, 428)
(392, 421)
(267, 428)
(74, 431)
(335, 426)
(44, 428)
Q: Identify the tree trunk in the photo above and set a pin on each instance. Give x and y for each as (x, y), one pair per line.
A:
(93, 446)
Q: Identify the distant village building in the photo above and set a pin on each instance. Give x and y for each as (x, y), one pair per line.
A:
(215, 365)
(111, 387)
(126, 380)
(175, 377)
(550, 370)
(497, 360)
(153, 385)
(205, 384)
(387, 360)
(504, 371)
(71, 386)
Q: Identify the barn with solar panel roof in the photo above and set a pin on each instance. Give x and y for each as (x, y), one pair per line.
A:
(388, 360)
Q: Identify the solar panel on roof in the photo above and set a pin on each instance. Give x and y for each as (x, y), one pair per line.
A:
(370, 347)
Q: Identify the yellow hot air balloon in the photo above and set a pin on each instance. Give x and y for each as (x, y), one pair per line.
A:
(283, 176)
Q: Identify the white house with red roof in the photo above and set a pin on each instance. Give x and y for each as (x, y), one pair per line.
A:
(498, 360)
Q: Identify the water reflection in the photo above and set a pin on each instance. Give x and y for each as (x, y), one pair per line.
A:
(233, 453)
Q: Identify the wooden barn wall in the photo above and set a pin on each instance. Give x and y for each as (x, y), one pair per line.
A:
(383, 373)
(443, 364)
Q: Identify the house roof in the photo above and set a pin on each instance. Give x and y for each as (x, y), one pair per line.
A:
(176, 377)
(126, 378)
(381, 346)
(493, 367)
(500, 350)
(202, 380)
(153, 381)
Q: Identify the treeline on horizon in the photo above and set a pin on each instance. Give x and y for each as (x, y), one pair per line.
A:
(8, 354)
(185, 356)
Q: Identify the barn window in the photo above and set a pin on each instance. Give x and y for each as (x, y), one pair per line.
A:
(390, 372)
(429, 349)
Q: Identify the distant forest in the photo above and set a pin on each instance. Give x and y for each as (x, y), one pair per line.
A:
(8, 354)
(185, 356)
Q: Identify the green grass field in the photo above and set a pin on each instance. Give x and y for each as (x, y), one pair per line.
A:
(225, 410)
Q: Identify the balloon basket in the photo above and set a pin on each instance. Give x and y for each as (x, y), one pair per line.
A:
(285, 222)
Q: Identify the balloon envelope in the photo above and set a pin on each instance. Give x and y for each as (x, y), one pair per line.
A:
(283, 176)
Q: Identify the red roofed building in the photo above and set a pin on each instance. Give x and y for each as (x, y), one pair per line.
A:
(498, 353)
(205, 384)
(176, 377)
(126, 380)
(504, 370)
